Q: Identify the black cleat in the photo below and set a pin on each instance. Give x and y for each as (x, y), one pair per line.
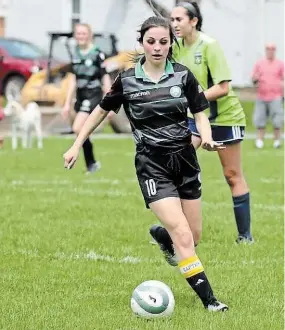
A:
(161, 236)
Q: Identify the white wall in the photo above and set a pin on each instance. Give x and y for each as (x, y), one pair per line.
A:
(94, 13)
(242, 26)
(138, 11)
(4, 8)
(274, 25)
(224, 21)
(32, 19)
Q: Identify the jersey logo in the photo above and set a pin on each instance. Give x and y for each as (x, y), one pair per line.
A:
(198, 58)
(88, 62)
(175, 91)
(138, 94)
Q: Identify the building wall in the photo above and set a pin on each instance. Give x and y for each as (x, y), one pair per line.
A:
(242, 27)
(33, 19)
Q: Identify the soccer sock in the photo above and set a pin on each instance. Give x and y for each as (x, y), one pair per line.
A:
(193, 271)
(242, 214)
(88, 153)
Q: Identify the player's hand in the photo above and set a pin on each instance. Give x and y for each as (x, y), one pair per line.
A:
(212, 145)
(65, 111)
(70, 157)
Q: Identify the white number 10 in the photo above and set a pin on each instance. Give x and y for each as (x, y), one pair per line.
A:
(151, 188)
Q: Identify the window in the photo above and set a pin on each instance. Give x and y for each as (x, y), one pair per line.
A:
(20, 49)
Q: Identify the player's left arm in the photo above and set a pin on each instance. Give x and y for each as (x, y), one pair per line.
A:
(219, 70)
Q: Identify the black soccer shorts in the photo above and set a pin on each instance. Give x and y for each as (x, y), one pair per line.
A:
(87, 102)
(168, 175)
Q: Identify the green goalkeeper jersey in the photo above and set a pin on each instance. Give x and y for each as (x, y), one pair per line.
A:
(206, 60)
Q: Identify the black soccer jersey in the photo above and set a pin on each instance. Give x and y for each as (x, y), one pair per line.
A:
(88, 68)
(157, 111)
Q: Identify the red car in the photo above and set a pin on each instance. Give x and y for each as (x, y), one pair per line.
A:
(18, 60)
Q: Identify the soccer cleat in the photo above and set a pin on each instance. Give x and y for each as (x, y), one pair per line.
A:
(161, 236)
(276, 144)
(259, 144)
(93, 168)
(245, 240)
(153, 241)
(217, 306)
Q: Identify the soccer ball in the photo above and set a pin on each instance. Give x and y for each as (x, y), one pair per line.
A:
(152, 299)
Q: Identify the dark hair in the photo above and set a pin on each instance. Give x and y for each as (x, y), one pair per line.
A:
(193, 10)
(155, 21)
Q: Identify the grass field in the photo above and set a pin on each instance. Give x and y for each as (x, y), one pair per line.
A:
(73, 247)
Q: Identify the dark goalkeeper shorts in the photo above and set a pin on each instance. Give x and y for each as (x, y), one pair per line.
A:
(87, 102)
(168, 175)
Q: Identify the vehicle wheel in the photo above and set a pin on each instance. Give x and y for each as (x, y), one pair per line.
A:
(14, 86)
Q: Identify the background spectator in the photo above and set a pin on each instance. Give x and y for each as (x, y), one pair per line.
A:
(268, 75)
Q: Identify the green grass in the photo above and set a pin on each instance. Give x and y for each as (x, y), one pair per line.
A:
(73, 247)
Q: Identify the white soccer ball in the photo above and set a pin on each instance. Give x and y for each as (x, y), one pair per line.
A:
(152, 299)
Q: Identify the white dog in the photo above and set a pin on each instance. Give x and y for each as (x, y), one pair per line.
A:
(24, 121)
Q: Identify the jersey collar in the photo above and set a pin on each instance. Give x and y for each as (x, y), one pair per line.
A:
(140, 74)
(83, 56)
(196, 42)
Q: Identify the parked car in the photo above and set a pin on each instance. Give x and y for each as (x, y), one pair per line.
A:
(19, 59)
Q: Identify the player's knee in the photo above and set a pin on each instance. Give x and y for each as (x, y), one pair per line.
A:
(183, 237)
(232, 176)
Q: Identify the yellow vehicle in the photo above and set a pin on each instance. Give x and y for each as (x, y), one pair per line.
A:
(49, 86)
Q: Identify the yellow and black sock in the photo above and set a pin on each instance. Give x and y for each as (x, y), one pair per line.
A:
(192, 269)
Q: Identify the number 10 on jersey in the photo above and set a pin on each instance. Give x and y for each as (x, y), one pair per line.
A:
(151, 187)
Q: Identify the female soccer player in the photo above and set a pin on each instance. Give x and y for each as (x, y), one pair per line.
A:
(90, 81)
(204, 57)
(155, 95)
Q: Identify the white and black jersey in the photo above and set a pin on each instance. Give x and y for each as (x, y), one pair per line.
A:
(157, 111)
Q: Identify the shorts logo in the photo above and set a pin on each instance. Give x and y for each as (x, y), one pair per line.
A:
(198, 58)
(175, 91)
(88, 62)
(85, 106)
(86, 103)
